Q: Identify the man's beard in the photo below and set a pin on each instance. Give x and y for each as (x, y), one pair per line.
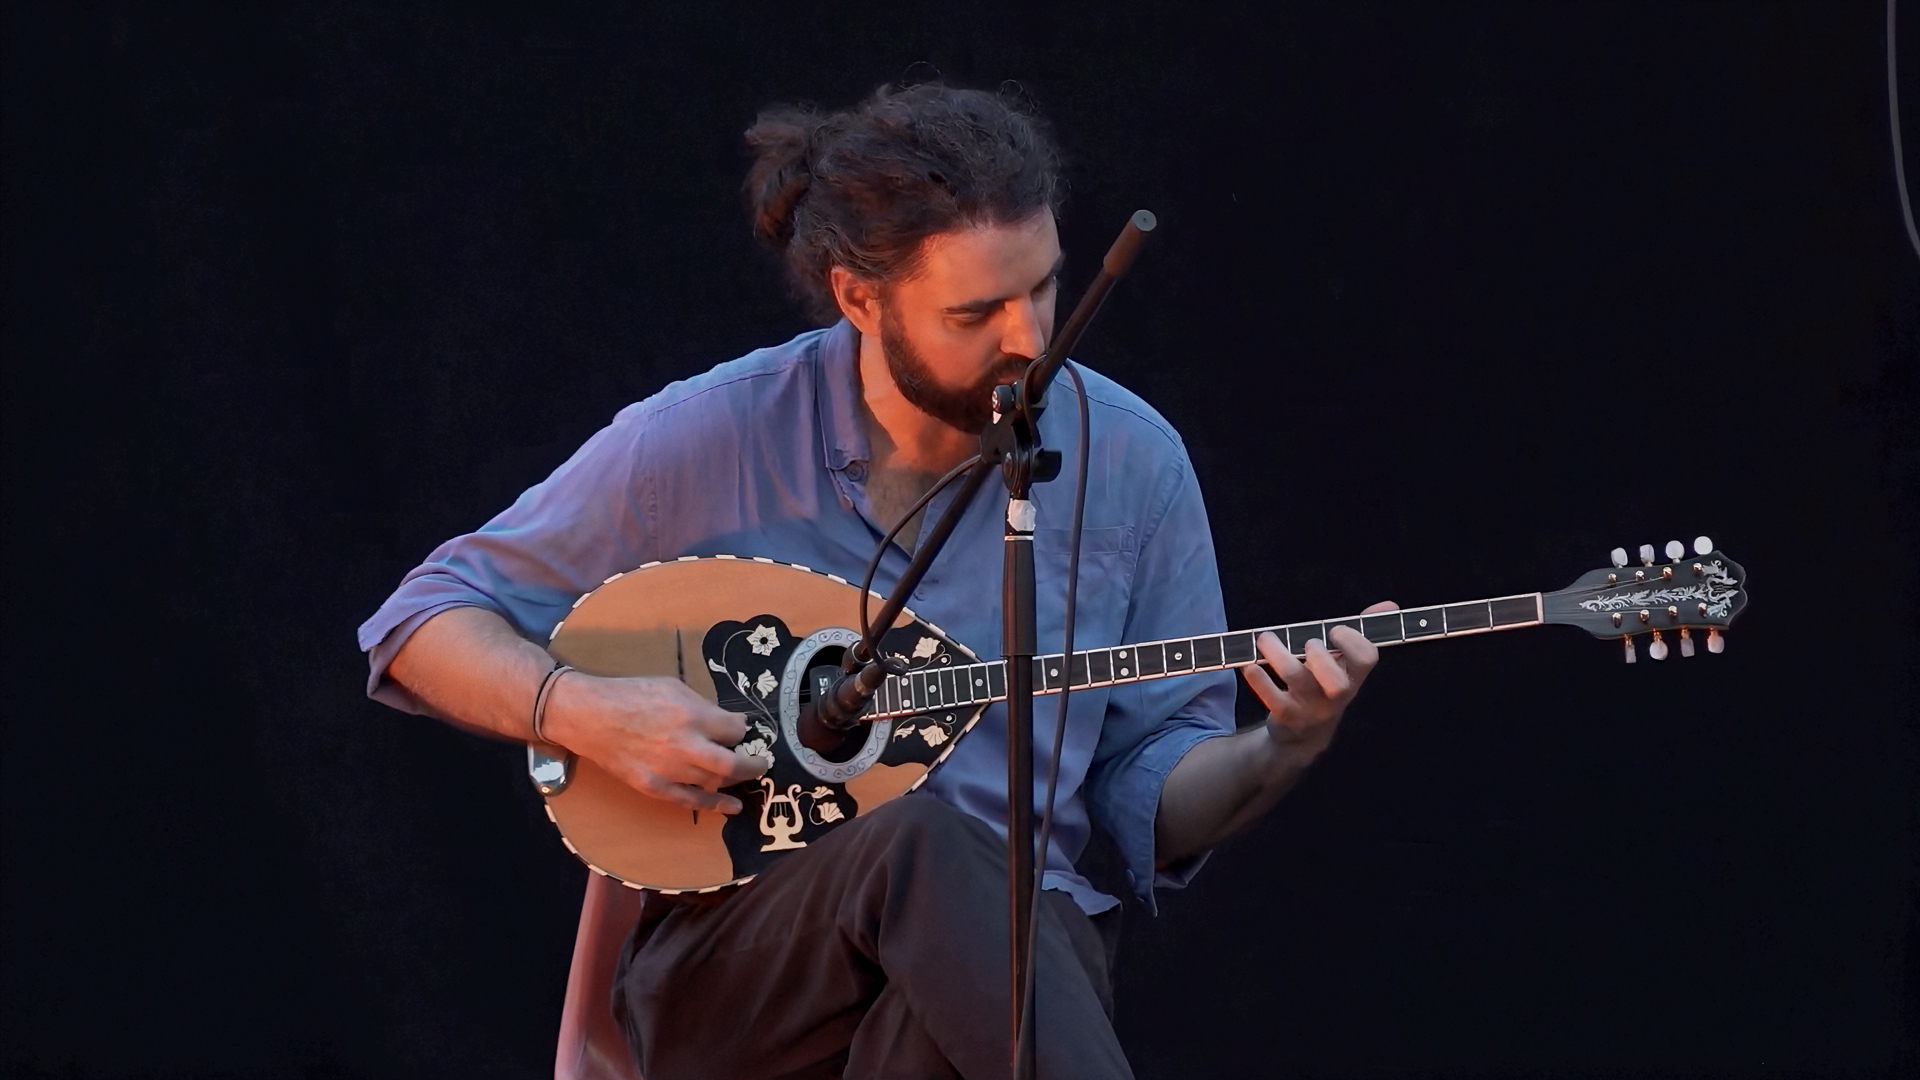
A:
(969, 410)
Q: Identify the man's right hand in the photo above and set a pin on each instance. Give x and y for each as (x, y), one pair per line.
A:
(654, 734)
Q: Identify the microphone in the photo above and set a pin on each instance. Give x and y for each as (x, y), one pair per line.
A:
(835, 709)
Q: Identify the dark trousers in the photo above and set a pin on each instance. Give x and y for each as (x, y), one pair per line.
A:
(879, 952)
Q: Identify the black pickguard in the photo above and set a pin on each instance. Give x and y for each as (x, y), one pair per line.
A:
(747, 661)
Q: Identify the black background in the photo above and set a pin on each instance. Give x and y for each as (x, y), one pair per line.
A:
(1447, 301)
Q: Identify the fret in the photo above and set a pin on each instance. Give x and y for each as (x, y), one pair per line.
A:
(1056, 675)
(1422, 622)
(1039, 673)
(1099, 667)
(1124, 664)
(1238, 648)
(1077, 669)
(1179, 656)
(896, 694)
(1382, 629)
(1153, 659)
(1515, 610)
(1300, 633)
(1467, 617)
(948, 692)
(1206, 652)
(922, 693)
(997, 680)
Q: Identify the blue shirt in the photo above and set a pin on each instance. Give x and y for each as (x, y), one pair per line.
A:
(766, 456)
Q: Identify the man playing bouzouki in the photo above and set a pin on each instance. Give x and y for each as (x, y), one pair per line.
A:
(919, 228)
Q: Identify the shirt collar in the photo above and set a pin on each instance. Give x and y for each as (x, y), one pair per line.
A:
(837, 395)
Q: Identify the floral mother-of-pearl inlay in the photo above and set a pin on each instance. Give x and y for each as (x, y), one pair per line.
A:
(1716, 592)
(763, 640)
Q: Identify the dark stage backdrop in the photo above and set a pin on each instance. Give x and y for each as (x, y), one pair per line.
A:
(1447, 300)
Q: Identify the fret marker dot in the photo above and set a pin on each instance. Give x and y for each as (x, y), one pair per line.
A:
(1179, 656)
(1124, 673)
(1122, 654)
(979, 682)
(1423, 622)
(1055, 672)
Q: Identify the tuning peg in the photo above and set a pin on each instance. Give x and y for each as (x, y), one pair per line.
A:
(1619, 556)
(1657, 648)
(1702, 545)
(1716, 641)
(1646, 554)
(1675, 550)
(1686, 642)
(1628, 643)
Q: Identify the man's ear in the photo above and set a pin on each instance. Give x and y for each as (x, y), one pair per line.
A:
(858, 298)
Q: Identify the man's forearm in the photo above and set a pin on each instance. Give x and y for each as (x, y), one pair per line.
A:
(470, 668)
(1220, 787)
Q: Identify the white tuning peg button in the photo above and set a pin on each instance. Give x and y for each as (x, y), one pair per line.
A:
(1619, 556)
(1716, 642)
(1628, 642)
(1675, 549)
(1657, 648)
(1646, 554)
(1686, 642)
(1702, 545)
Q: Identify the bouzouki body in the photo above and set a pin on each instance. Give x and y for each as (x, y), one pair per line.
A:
(760, 637)
(743, 634)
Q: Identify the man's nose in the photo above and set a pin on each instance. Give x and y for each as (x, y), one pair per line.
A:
(1024, 334)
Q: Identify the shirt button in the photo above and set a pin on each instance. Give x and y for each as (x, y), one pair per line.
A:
(856, 471)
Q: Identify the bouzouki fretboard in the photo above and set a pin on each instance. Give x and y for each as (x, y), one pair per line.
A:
(971, 684)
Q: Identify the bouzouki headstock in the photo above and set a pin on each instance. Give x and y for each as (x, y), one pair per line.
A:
(1669, 601)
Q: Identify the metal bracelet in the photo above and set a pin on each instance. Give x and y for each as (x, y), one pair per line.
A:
(540, 700)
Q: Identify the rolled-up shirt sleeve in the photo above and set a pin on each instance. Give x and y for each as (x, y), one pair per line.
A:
(1151, 725)
(560, 538)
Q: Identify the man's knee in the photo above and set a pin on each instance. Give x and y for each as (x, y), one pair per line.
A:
(921, 822)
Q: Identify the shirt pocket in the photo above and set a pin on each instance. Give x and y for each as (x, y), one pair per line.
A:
(1106, 585)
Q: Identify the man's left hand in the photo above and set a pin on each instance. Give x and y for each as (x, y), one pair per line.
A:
(1305, 706)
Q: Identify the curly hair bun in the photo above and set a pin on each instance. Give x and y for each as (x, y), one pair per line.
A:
(780, 142)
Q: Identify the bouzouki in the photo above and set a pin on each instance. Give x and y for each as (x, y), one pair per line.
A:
(760, 637)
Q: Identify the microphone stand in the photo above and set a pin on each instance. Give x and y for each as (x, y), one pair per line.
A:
(1012, 445)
